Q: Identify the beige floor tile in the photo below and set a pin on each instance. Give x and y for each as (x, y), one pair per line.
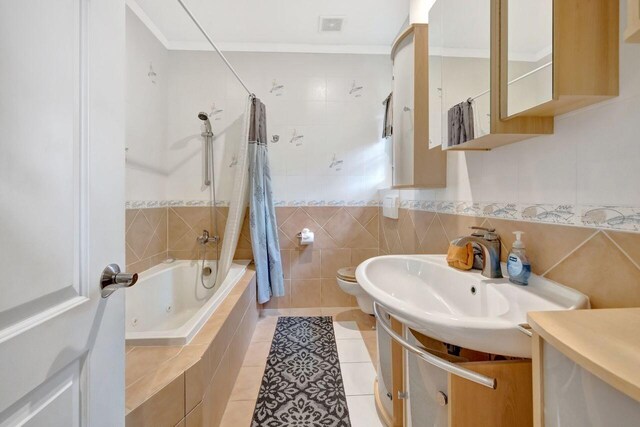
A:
(264, 331)
(247, 384)
(372, 348)
(305, 312)
(257, 354)
(350, 351)
(238, 414)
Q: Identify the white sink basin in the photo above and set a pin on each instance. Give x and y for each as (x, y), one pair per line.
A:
(462, 308)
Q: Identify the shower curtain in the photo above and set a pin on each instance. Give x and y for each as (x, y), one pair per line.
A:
(239, 199)
(262, 215)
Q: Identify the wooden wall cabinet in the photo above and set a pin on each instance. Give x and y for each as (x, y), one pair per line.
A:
(582, 65)
(414, 164)
(632, 33)
(585, 56)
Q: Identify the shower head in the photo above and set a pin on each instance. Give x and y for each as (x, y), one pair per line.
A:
(205, 118)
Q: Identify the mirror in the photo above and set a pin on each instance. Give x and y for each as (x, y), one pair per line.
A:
(529, 54)
(435, 75)
(463, 46)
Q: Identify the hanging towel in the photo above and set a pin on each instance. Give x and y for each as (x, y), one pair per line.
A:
(262, 215)
(467, 120)
(460, 123)
(387, 130)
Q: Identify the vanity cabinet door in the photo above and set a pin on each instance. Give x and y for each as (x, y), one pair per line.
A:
(573, 397)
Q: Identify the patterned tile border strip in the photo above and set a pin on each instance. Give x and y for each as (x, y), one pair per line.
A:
(142, 204)
(623, 218)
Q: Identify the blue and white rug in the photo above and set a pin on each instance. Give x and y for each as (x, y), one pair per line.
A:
(302, 383)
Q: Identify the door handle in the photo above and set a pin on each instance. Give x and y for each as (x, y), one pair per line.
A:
(113, 279)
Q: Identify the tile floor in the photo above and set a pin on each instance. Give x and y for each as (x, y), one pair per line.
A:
(356, 341)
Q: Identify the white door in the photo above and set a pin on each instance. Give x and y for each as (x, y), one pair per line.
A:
(61, 212)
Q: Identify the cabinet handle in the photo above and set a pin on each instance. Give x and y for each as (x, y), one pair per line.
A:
(438, 362)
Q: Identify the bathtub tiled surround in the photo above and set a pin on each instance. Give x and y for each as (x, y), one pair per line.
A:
(155, 234)
(169, 385)
(146, 238)
(601, 263)
(357, 351)
(344, 236)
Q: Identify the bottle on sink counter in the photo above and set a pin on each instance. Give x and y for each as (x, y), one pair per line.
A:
(518, 265)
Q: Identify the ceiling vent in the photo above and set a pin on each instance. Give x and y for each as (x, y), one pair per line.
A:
(331, 24)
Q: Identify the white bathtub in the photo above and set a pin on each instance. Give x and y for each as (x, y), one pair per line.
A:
(169, 305)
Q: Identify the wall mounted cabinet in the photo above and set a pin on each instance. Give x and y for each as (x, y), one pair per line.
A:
(632, 33)
(576, 64)
(466, 37)
(518, 64)
(414, 164)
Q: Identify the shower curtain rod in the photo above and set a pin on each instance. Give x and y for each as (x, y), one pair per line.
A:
(204, 33)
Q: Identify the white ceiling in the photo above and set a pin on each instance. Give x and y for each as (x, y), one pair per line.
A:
(275, 25)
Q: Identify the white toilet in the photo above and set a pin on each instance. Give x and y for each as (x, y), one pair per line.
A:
(346, 278)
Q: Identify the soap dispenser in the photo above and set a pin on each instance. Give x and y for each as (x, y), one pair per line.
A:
(518, 265)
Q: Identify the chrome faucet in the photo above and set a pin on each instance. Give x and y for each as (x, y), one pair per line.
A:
(489, 242)
(206, 238)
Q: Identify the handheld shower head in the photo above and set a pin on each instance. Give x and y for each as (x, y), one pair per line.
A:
(205, 118)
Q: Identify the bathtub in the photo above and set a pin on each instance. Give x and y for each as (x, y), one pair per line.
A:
(169, 305)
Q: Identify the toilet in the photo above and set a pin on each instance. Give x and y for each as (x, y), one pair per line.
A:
(346, 278)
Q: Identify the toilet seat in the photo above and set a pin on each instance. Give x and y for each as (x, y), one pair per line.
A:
(346, 278)
(348, 274)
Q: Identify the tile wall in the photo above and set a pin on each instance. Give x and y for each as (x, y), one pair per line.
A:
(155, 234)
(344, 236)
(603, 264)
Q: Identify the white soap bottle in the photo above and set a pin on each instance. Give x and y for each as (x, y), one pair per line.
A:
(518, 265)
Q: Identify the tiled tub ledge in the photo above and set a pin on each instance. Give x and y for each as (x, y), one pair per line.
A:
(190, 385)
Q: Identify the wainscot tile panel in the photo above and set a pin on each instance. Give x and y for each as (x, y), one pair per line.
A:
(155, 234)
(602, 263)
(146, 238)
(344, 236)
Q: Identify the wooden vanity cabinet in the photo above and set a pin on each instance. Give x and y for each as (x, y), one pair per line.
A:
(425, 395)
(414, 164)
(586, 370)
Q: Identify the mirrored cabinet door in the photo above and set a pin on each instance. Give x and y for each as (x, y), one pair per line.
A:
(529, 54)
(465, 69)
(436, 118)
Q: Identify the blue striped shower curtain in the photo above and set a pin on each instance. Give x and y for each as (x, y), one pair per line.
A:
(262, 214)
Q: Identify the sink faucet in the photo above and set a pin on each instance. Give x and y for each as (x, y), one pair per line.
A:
(205, 238)
(489, 242)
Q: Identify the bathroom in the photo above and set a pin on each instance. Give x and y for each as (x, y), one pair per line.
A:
(320, 214)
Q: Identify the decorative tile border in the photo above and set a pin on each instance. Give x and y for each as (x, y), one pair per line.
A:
(147, 204)
(623, 218)
(609, 217)
(142, 204)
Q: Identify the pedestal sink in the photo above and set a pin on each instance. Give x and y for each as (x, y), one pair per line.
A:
(462, 308)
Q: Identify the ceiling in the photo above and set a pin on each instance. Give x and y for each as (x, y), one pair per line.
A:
(370, 26)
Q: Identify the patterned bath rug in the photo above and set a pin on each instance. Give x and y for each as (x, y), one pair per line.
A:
(302, 383)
